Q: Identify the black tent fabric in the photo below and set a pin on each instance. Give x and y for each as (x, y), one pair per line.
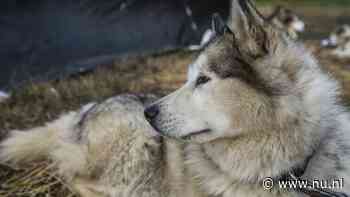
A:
(46, 38)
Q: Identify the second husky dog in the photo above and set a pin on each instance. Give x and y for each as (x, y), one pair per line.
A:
(103, 150)
(339, 42)
(256, 107)
(287, 20)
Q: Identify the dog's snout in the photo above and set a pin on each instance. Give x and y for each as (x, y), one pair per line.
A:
(151, 112)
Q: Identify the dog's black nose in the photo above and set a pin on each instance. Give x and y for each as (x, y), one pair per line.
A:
(151, 112)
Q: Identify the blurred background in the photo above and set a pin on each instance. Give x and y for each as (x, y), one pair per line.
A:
(49, 39)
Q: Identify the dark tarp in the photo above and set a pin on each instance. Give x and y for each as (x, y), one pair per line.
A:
(45, 39)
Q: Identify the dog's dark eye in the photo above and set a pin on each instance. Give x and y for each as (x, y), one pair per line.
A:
(202, 80)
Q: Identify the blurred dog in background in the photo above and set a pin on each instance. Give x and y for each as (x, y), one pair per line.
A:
(283, 18)
(339, 42)
(288, 21)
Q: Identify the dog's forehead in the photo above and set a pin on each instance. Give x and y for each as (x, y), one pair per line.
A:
(195, 67)
(217, 50)
(198, 67)
(222, 58)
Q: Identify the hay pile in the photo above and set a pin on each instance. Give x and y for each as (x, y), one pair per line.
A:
(38, 179)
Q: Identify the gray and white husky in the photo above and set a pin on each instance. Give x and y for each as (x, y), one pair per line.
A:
(339, 42)
(256, 107)
(287, 20)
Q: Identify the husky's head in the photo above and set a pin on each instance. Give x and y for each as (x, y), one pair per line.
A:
(287, 20)
(244, 73)
(339, 36)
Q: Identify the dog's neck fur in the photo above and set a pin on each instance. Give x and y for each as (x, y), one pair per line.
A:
(249, 164)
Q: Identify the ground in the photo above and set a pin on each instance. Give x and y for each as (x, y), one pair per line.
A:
(161, 73)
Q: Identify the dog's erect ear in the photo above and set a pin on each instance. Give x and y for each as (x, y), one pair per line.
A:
(250, 28)
(218, 25)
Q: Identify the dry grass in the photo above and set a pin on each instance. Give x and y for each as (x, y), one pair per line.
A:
(38, 179)
(37, 103)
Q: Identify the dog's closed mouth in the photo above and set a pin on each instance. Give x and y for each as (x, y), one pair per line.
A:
(196, 133)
